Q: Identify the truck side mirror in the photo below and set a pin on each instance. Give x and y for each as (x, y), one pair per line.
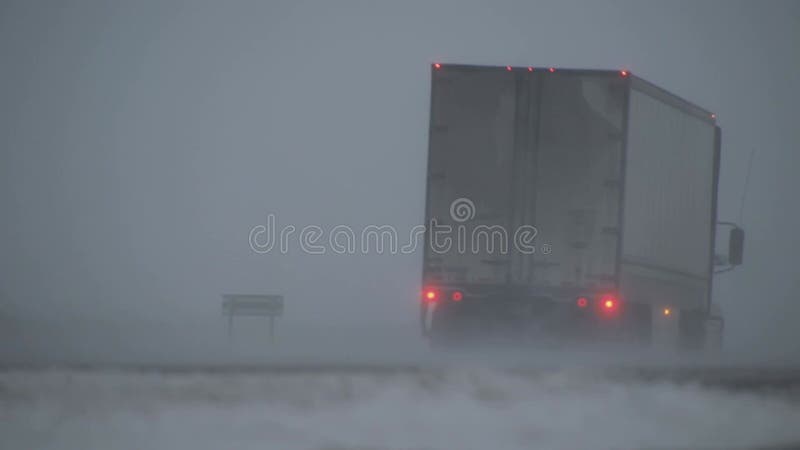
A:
(736, 246)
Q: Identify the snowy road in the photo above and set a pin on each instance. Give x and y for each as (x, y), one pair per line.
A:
(359, 407)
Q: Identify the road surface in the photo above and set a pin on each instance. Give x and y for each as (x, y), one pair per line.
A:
(363, 406)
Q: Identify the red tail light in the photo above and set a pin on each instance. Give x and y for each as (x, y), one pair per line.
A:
(430, 295)
(582, 302)
(457, 296)
(609, 303)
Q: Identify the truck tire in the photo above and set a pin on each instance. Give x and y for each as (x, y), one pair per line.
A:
(442, 331)
(714, 326)
(692, 330)
(700, 331)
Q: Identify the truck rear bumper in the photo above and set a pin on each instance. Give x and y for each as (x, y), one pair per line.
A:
(538, 319)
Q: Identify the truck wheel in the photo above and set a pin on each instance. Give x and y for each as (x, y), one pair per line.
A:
(692, 330)
(441, 333)
(640, 322)
(714, 327)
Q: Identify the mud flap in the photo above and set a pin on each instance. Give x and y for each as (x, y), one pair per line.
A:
(714, 327)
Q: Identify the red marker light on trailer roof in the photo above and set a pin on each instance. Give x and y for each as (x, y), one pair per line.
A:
(552, 69)
(530, 69)
(582, 302)
(457, 296)
(623, 73)
(437, 66)
(713, 116)
(508, 68)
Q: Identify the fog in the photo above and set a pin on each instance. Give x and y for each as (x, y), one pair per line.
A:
(140, 142)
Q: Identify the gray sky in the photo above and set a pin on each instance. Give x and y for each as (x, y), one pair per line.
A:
(140, 142)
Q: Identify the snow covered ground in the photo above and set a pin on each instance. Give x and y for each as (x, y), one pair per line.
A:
(454, 407)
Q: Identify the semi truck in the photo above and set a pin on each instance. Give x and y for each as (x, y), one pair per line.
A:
(566, 204)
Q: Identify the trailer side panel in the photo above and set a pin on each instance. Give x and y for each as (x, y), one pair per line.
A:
(669, 190)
